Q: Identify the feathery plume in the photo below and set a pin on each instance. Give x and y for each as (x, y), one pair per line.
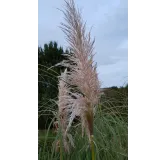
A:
(65, 107)
(82, 72)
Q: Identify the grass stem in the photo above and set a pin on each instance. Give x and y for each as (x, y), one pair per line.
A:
(92, 147)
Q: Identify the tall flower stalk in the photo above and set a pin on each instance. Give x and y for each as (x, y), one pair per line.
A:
(82, 69)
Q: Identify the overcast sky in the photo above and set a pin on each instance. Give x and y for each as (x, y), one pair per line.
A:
(109, 22)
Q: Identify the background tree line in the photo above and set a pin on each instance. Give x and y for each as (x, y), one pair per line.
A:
(48, 56)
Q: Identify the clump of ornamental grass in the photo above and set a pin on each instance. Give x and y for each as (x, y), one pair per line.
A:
(82, 74)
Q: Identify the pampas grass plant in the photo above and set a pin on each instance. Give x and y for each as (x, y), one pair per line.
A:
(79, 94)
(82, 72)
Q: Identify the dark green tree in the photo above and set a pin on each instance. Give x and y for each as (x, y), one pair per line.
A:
(48, 57)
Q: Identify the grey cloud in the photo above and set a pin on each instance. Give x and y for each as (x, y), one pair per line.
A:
(109, 19)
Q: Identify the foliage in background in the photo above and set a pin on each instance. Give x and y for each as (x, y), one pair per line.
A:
(115, 99)
(48, 56)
